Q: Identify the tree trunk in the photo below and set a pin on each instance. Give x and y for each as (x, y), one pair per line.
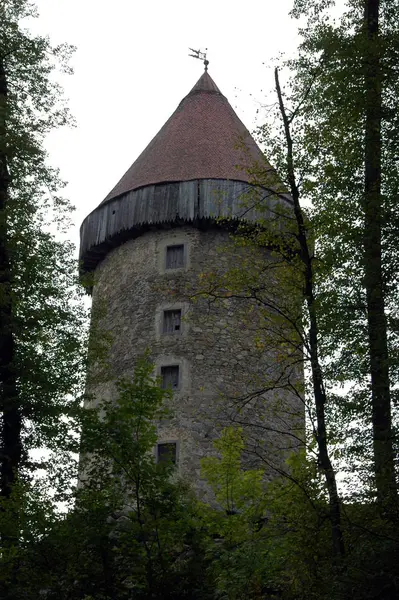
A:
(9, 403)
(373, 278)
(317, 377)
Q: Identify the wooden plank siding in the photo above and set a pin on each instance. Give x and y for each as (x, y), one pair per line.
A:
(204, 200)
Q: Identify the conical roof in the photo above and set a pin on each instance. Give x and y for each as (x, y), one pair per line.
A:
(203, 139)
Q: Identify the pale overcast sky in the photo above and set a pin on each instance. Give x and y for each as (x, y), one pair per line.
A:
(132, 69)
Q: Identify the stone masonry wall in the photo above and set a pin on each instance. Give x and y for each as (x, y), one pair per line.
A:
(218, 357)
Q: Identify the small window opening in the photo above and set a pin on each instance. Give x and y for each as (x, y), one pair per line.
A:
(167, 452)
(175, 256)
(170, 377)
(171, 321)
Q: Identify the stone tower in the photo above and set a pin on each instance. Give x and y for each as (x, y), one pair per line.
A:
(149, 241)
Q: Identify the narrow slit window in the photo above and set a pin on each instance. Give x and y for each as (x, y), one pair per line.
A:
(172, 321)
(170, 377)
(175, 256)
(167, 452)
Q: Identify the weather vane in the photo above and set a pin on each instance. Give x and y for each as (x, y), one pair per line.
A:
(200, 55)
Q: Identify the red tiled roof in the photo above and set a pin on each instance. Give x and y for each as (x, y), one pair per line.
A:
(203, 139)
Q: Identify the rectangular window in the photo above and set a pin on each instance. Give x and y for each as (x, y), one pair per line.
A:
(175, 256)
(167, 452)
(170, 377)
(171, 321)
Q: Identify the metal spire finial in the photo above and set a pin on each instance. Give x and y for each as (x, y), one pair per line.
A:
(201, 56)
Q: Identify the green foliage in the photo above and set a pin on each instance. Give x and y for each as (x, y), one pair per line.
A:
(48, 318)
(272, 539)
(235, 490)
(42, 317)
(132, 531)
(237, 549)
(299, 532)
(326, 100)
(268, 539)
